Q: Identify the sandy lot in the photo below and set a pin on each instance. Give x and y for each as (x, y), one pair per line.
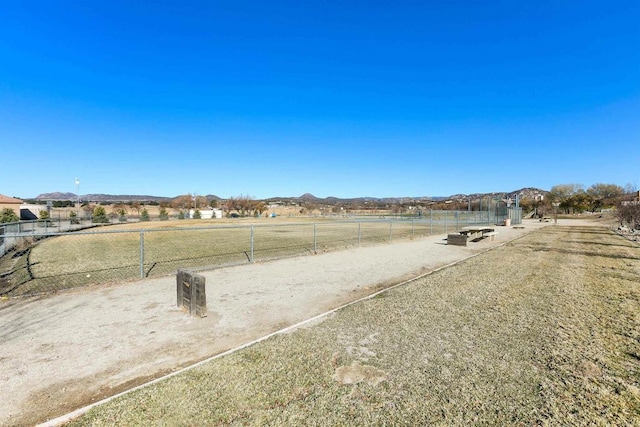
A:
(65, 351)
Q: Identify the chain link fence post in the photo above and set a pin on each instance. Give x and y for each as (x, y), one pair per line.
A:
(251, 258)
(2, 246)
(430, 222)
(315, 238)
(142, 254)
(445, 222)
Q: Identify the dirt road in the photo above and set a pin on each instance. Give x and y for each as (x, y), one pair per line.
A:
(64, 351)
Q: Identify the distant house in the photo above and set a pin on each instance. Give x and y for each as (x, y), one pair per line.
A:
(10, 203)
(207, 213)
(31, 212)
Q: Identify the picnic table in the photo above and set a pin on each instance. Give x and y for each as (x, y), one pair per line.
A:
(478, 232)
(474, 233)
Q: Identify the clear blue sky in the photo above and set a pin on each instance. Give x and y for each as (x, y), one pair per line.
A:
(335, 98)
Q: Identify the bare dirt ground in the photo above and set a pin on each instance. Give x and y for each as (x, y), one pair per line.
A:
(65, 351)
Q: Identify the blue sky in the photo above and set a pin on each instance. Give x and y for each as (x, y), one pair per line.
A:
(335, 98)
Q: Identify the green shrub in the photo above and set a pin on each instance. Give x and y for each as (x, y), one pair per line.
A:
(100, 215)
(163, 214)
(8, 215)
(74, 218)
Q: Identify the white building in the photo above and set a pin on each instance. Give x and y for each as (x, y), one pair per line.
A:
(207, 213)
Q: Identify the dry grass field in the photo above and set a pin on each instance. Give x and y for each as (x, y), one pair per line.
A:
(544, 330)
(112, 254)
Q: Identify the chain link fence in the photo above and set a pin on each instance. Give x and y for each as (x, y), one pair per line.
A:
(42, 257)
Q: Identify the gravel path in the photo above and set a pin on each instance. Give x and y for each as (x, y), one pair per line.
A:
(64, 351)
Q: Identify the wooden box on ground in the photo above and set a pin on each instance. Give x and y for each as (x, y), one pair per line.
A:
(191, 294)
(457, 239)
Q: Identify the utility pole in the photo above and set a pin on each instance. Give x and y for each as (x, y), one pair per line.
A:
(78, 197)
(555, 212)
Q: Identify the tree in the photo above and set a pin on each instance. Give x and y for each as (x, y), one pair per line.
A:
(120, 210)
(144, 215)
(164, 216)
(88, 209)
(199, 201)
(8, 215)
(605, 191)
(565, 196)
(308, 207)
(258, 208)
(73, 217)
(528, 205)
(563, 191)
(44, 215)
(136, 206)
(183, 202)
(604, 195)
(100, 215)
(244, 205)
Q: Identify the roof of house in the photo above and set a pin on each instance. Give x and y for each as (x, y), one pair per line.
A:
(5, 200)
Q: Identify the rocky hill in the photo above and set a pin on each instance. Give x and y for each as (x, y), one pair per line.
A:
(524, 193)
(101, 197)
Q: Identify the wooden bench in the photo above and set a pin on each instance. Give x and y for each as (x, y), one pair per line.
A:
(474, 234)
(489, 235)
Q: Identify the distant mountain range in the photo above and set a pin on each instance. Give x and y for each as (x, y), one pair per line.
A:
(101, 197)
(524, 193)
